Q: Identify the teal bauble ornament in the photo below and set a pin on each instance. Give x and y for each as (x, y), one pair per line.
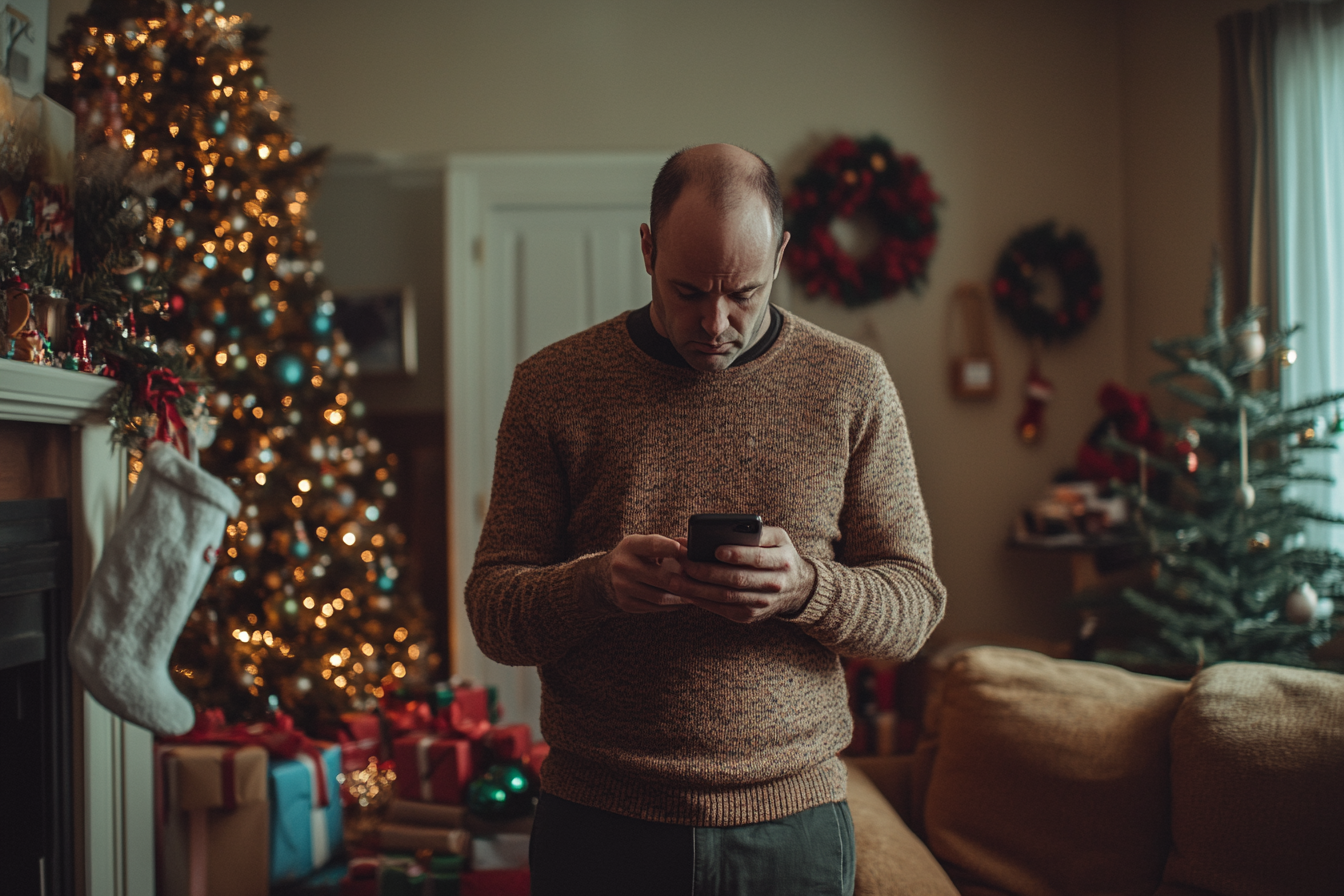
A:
(289, 369)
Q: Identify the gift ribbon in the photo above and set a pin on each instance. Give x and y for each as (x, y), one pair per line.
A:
(198, 820)
(160, 392)
(425, 767)
(321, 846)
(277, 738)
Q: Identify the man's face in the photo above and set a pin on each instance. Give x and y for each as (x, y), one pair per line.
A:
(712, 278)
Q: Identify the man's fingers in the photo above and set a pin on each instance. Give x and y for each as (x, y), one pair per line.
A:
(774, 537)
(651, 547)
(732, 577)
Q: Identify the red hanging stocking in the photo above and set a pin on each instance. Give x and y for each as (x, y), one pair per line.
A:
(1038, 391)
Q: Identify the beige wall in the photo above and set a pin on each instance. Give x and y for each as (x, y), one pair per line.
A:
(1098, 113)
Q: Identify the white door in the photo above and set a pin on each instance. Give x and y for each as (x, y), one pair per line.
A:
(539, 248)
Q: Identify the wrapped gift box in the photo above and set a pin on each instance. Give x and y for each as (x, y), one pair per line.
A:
(469, 712)
(213, 831)
(305, 812)
(361, 737)
(500, 852)
(509, 743)
(400, 876)
(413, 838)
(432, 768)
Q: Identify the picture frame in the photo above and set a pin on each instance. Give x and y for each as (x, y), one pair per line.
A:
(379, 325)
(23, 45)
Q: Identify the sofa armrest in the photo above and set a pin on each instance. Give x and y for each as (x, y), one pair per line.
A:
(890, 860)
(893, 776)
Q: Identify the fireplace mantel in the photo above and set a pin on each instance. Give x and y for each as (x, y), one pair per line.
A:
(113, 759)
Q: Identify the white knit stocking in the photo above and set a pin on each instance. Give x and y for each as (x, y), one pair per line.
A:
(151, 573)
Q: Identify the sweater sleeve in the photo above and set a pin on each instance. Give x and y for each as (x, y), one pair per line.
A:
(521, 596)
(880, 597)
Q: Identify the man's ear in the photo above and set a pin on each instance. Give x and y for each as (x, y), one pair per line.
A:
(779, 259)
(646, 247)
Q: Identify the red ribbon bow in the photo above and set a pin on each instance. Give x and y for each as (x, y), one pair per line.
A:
(279, 738)
(160, 392)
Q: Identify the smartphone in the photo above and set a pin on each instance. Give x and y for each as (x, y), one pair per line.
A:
(709, 530)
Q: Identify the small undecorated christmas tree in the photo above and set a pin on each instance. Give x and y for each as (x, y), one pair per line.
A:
(1235, 577)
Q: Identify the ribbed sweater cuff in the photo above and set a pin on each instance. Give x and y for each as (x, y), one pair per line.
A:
(823, 594)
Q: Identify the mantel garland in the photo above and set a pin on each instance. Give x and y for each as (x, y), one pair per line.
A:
(861, 177)
(1015, 285)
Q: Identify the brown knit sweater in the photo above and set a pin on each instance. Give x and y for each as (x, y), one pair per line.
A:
(685, 717)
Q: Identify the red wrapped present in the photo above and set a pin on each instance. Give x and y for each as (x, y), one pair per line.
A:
(509, 743)
(536, 756)
(361, 877)
(469, 713)
(361, 726)
(433, 769)
(407, 716)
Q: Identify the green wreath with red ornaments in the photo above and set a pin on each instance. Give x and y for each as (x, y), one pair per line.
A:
(867, 178)
(1015, 285)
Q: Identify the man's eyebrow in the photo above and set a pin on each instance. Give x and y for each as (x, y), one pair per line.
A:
(691, 287)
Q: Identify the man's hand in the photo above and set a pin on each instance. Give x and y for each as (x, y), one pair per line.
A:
(749, 583)
(636, 575)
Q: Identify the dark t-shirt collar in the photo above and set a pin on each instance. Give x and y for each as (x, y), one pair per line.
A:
(640, 327)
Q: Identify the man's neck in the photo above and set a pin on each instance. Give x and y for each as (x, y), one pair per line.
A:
(645, 335)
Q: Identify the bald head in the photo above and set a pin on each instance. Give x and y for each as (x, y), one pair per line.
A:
(726, 176)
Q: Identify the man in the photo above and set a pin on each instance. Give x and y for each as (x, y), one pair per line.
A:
(694, 710)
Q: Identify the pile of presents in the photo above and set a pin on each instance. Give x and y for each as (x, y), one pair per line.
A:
(426, 797)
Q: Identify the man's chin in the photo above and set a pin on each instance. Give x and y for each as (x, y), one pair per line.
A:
(709, 362)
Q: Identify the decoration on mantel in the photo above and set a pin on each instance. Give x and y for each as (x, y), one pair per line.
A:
(868, 182)
(1016, 285)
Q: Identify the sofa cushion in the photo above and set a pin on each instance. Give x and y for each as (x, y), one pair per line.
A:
(1049, 776)
(1257, 772)
(889, 859)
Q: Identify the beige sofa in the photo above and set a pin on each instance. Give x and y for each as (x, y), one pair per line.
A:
(1046, 777)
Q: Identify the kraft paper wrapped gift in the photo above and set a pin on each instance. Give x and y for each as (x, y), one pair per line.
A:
(214, 822)
(433, 769)
(305, 812)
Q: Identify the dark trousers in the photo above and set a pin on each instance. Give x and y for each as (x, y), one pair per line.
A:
(579, 850)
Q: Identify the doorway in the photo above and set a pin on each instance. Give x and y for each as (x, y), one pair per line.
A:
(539, 248)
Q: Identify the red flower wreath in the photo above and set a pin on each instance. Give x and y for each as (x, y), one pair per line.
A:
(866, 176)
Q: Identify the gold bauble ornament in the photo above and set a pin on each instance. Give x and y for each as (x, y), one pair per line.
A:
(1258, 542)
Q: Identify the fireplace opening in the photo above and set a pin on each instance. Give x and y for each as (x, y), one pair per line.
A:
(37, 853)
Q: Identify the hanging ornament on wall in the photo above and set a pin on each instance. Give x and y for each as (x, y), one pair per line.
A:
(1245, 492)
(1251, 343)
(1300, 605)
(1038, 391)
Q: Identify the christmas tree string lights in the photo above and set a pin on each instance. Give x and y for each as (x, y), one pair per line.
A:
(1235, 577)
(306, 612)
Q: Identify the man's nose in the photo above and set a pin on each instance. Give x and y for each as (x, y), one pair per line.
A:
(715, 317)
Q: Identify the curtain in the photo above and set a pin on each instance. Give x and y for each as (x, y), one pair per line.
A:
(1308, 137)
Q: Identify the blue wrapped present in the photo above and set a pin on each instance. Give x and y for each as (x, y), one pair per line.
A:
(305, 834)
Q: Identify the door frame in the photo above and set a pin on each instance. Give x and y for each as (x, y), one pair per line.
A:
(476, 184)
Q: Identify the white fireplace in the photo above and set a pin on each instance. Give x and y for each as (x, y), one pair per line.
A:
(113, 773)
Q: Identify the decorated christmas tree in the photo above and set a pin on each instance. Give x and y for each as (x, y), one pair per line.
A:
(1235, 577)
(305, 612)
